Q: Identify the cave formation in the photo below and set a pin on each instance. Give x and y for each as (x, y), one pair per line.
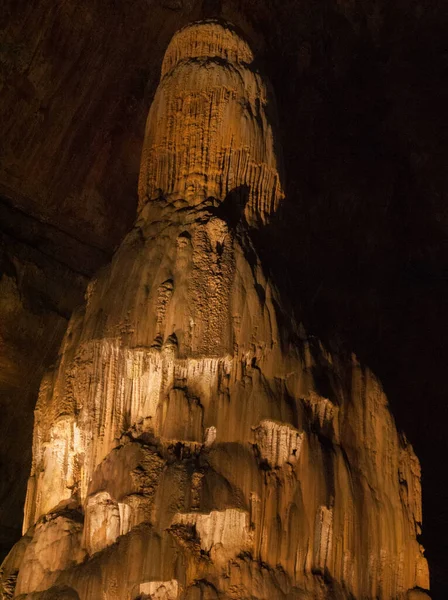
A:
(192, 440)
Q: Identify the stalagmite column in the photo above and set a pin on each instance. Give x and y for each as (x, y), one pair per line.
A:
(192, 443)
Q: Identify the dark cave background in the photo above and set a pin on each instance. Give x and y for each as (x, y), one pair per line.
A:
(361, 242)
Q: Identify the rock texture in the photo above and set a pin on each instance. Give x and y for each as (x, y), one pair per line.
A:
(192, 442)
(208, 132)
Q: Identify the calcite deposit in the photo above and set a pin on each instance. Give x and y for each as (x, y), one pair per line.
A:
(192, 442)
(208, 133)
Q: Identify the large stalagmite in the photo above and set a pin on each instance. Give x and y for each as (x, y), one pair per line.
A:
(192, 442)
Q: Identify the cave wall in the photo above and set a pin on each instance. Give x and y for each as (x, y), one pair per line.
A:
(361, 99)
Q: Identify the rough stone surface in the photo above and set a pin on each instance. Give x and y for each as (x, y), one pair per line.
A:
(208, 133)
(210, 448)
(160, 590)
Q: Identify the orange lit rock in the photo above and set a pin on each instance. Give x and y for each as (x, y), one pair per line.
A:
(208, 131)
(186, 419)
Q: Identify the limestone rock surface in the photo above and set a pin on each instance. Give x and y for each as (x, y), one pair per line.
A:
(208, 132)
(192, 442)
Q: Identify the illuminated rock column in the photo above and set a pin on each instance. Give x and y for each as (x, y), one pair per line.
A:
(208, 131)
(192, 442)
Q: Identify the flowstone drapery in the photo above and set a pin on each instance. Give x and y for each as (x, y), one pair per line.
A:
(192, 442)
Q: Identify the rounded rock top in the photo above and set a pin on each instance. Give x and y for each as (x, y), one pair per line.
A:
(206, 40)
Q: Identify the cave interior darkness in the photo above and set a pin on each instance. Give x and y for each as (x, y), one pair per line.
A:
(360, 244)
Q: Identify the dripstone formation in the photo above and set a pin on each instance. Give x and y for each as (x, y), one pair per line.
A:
(192, 442)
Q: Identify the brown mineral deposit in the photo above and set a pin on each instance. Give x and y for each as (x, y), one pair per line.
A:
(183, 445)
